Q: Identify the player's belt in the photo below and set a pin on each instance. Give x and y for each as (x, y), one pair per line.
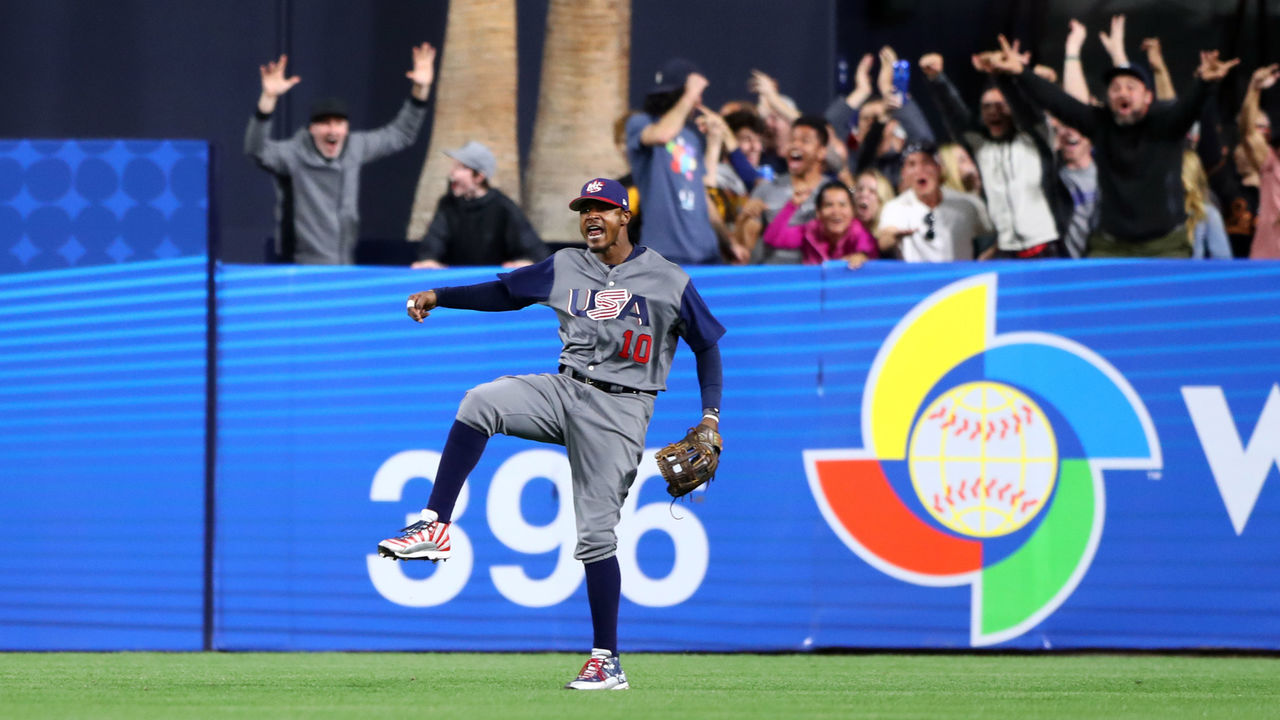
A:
(605, 386)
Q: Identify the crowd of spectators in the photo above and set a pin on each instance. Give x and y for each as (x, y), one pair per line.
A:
(1040, 170)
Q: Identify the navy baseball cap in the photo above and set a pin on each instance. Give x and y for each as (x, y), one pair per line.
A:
(604, 190)
(1134, 70)
(673, 75)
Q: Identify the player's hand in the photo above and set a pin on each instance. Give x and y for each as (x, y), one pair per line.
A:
(428, 265)
(274, 81)
(420, 305)
(513, 264)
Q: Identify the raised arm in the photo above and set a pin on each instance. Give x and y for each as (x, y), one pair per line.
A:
(1114, 42)
(403, 130)
(274, 84)
(423, 72)
(842, 113)
(666, 128)
(1073, 81)
(1183, 113)
(257, 145)
(956, 115)
(1159, 70)
(767, 88)
(1255, 145)
(1052, 98)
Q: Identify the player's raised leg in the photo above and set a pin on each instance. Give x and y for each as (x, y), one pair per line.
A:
(524, 406)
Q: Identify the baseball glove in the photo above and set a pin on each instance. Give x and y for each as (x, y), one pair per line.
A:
(691, 461)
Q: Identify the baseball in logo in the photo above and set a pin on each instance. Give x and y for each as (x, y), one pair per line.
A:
(983, 460)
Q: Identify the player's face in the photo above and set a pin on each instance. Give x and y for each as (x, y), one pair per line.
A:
(1128, 99)
(601, 223)
(835, 212)
(329, 135)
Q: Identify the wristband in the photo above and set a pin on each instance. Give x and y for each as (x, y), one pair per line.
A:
(709, 416)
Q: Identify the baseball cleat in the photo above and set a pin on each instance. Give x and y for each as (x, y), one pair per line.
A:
(426, 539)
(601, 672)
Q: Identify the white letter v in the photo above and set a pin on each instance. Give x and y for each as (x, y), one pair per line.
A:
(1239, 471)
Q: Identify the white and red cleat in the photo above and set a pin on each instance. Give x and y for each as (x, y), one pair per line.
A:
(426, 539)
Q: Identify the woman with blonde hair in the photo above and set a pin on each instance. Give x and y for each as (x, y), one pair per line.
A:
(958, 170)
(1206, 231)
(871, 191)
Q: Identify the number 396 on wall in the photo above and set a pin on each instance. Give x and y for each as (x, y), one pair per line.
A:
(509, 527)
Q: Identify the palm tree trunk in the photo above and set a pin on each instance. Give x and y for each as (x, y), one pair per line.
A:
(583, 91)
(475, 100)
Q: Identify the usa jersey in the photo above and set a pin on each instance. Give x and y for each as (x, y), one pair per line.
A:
(619, 324)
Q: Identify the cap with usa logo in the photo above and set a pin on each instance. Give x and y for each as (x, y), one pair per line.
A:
(604, 190)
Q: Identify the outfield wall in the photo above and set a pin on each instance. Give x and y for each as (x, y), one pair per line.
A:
(1040, 455)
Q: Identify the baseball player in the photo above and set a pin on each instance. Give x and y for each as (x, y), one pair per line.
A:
(621, 308)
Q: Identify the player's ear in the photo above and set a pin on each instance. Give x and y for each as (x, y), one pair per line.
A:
(626, 216)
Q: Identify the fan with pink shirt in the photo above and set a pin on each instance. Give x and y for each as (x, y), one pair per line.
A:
(834, 234)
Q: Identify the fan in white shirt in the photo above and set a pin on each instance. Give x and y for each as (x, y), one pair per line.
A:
(928, 222)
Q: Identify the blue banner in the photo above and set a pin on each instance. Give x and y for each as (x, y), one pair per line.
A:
(1044, 455)
(102, 432)
(1006, 455)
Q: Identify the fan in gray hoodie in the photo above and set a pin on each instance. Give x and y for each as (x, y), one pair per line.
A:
(317, 170)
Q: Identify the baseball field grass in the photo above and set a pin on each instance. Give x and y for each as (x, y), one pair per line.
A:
(104, 686)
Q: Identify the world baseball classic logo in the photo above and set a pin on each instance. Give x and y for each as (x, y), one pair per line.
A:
(983, 459)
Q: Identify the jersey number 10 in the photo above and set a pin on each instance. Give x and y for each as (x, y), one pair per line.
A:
(643, 346)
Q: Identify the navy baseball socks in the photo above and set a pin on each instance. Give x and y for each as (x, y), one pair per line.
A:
(603, 670)
(428, 539)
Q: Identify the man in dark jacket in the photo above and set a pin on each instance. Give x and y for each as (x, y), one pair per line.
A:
(1138, 146)
(476, 224)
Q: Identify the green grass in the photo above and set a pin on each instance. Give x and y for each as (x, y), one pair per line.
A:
(463, 686)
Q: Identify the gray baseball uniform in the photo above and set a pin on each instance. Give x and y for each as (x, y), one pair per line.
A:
(619, 327)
